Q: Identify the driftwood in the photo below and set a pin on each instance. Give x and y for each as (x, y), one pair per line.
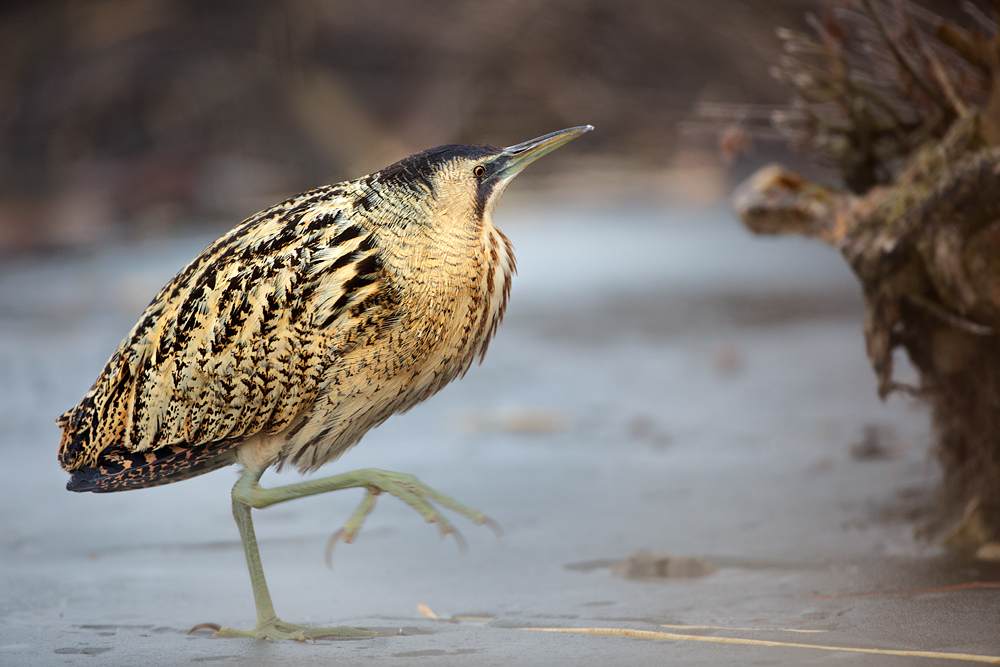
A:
(906, 105)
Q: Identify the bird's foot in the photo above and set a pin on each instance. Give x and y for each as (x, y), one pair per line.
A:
(414, 493)
(278, 629)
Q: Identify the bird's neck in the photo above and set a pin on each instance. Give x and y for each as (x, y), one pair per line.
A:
(456, 270)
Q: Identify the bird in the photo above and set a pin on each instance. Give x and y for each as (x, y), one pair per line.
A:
(297, 332)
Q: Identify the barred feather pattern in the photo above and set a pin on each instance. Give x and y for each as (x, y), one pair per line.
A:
(305, 326)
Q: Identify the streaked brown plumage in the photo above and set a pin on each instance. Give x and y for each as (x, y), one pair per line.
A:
(308, 324)
(298, 331)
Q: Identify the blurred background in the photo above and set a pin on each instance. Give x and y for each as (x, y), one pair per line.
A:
(131, 118)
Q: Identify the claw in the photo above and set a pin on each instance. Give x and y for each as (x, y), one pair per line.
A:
(330, 544)
(308, 636)
(463, 546)
(214, 627)
(492, 525)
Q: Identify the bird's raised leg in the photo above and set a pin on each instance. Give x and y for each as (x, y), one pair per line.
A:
(247, 494)
(407, 488)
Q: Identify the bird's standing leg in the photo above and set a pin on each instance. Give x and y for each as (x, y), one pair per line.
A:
(247, 494)
(269, 626)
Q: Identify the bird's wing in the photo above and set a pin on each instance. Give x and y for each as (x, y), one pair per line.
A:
(237, 342)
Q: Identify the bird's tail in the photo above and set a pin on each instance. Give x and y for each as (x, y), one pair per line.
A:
(118, 469)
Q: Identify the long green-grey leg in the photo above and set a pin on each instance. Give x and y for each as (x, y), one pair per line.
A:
(247, 494)
(407, 488)
(269, 626)
(261, 596)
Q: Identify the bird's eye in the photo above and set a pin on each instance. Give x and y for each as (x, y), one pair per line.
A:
(479, 171)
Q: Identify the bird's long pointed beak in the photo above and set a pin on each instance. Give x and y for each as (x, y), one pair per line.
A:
(521, 155)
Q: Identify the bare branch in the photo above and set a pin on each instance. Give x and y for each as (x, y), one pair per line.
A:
(901, 58)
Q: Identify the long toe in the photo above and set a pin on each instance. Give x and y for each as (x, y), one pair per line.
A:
(279, 629)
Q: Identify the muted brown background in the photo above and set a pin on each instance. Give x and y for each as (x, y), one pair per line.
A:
(129, 118)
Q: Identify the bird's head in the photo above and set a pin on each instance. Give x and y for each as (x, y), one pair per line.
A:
(467, 181)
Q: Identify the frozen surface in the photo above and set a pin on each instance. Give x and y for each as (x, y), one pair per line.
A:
(663, 381)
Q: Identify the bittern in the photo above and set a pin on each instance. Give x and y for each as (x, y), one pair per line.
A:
(305, 326)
